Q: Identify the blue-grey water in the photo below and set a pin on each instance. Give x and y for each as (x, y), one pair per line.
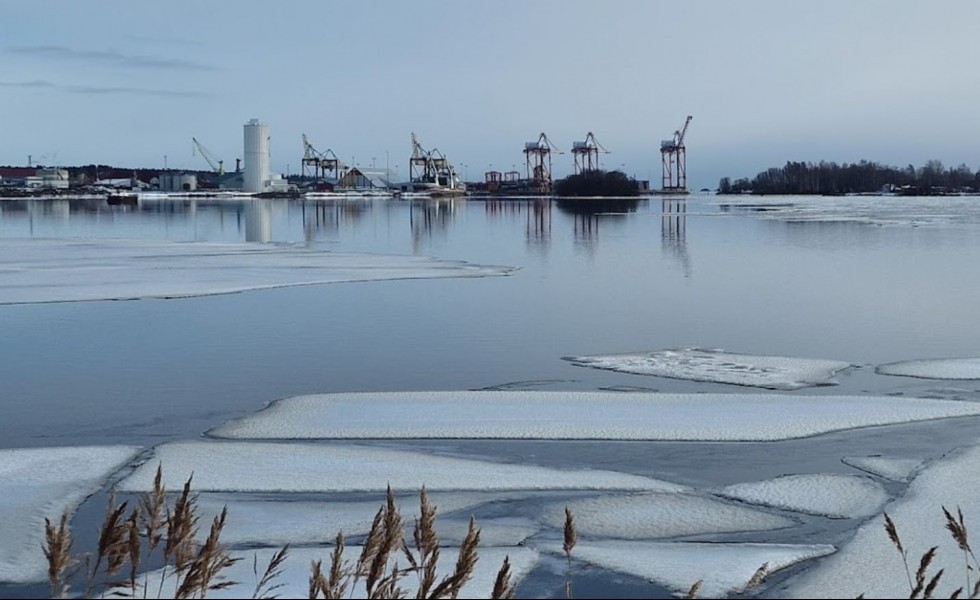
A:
(864, 280)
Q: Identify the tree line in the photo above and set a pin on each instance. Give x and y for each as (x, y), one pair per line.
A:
(832, 179)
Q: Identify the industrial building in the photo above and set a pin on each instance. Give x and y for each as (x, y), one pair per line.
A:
(257, 178)
(177, 182)
(361, 179)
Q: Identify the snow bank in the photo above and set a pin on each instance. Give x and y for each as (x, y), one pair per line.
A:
(270, 467)
(580, 415)
(940, 368)
(645, 516)
(835, 496)
(896, 469)
(41, 483)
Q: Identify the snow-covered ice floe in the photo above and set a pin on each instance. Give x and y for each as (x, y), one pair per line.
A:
(295, 574)
(579, 415)
(939, 368)
(869, 564)
(274, 523)
(896, 469)
(78, 270)
(836, 496)
(694, 364)
(271, 467)
(647, 516)
(723, 568)
(39, 483)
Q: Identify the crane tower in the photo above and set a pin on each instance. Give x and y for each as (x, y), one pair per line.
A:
(318, 164)
(537, 155)
(673, 157)
(585, 154)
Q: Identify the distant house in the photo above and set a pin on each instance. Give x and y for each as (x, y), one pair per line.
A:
(358, 179)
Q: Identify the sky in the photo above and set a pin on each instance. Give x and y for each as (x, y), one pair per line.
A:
(766, 81)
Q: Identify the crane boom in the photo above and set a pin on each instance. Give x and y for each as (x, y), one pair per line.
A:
(218, 166)
(683, 132)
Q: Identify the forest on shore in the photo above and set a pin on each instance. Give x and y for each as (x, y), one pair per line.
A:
(832, 179)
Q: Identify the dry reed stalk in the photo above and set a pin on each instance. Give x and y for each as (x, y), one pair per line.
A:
(897, 541)
(340, 573)
(203, 571)
(957, 528)
(264, 587)
(695, 589)
(426, 544)
(920, 573)
(465, 563)
(932, 585)
(757, 578)
(503, 589)
(570, 539)
(134, 545)
(181, 531)
(112, 548)
(57, 550)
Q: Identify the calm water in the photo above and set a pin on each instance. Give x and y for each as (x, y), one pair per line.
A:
(868, 280)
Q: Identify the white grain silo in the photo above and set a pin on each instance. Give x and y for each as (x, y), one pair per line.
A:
(256, 156)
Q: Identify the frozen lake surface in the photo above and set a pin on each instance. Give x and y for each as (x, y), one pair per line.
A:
(457, 379)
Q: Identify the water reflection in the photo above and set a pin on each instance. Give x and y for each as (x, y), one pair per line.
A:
(328, 215)
(428, 217)
(586, 213)
(258, 221)
(536, 214)
(673, 231)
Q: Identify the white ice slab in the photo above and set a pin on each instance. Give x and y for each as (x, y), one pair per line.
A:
(76, 270)
(695, 364)
(44, 482)
(940, 368)
(647, 516)
(896, 469)
(871, 565)
(580, 415)
(276, 522)
(724, 568)
(296, 571)
(270, 467)
(836, 496)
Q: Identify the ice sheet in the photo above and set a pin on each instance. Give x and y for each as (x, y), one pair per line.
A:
(44, 482)
(870, 563)
(296, 571)
(646, 516)
(275, 522)
(940, 368)
(836, 496)
(580, 415)
(724, 568)
(896, 469)
(76, 270)
(695, 364)
(271, 467)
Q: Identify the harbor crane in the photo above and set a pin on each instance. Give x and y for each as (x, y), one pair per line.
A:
(673, 158)
(430, 166)
(318, 164)
(218, 166)
(585, 154)
(537, 156)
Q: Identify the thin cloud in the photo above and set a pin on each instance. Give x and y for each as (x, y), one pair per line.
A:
(91, 89)
(110, 57)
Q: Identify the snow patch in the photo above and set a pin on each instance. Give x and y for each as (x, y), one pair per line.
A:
(645, 516)
(869, 564)
(79, 270)
(579, 415)
(940, 368)
(41, 483)
(835, 496)
(694, 364)
(271, 467)
(724, 568)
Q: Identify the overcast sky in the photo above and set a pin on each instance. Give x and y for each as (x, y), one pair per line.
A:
(127, 83)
